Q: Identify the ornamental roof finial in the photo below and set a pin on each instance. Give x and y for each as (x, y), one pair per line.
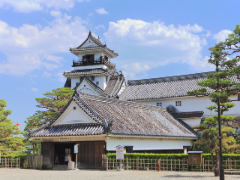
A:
(90, 32)
(99, 38)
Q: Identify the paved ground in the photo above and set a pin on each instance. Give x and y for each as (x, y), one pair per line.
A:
(22, 174)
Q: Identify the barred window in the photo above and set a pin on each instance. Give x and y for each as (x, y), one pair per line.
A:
(92, 78)
(159, 104)
(97, 82)
(178, 103)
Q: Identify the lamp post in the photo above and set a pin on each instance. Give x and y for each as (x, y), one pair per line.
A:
(221, 168)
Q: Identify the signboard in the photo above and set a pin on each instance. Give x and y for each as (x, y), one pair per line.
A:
(64, 139)
(76, 148)
(120, 152)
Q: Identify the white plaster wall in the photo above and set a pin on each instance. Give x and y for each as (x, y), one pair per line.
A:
(90, 67)
(74, 81)
(102, 81)
(71, 116)
(84, 87)
(89, 43)
(147, 144)
(192, 122)
(196, 104)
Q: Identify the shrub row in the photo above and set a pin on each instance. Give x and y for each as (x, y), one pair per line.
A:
(171, 156)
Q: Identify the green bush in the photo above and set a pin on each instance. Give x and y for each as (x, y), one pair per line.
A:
(171, 156)
(150, 156)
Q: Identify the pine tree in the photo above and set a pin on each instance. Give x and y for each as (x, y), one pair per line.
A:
(10, 143)
(224, 85)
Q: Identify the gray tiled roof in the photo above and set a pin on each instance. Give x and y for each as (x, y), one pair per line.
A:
(70, 130)
(114, 85)
(122, 117)
(166, 87)
(188, 114)
(89, 72)
(130, 118)
(97, 41)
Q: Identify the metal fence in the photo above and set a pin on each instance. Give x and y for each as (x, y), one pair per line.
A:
(35, 162)
(9, 162)
(166, 164)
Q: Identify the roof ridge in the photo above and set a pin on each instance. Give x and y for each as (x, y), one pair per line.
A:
(121, 102)
(169, 78)
(93, 114)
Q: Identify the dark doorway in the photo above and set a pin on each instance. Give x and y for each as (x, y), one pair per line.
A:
(62, 150)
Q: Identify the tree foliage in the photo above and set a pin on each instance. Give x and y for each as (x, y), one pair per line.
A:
(219, 86)
(10, 143)
(52, 103)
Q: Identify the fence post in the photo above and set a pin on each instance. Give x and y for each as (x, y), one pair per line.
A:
(171, 164)
(137, 163)
(126, 163)
(106, 164)
(203, 164)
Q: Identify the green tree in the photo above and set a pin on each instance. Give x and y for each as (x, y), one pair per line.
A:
(219, 86)
(52, 103)
(10, 143)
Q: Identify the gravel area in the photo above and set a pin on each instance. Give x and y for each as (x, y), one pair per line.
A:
(23, 174)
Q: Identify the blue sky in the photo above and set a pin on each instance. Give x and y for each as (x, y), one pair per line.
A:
(153, 39)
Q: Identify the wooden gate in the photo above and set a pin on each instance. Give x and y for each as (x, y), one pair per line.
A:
(90, 154)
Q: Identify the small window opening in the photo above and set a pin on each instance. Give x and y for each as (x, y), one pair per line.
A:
(178, 103)
(159, 104)
(106, 78)
(92, 78)
(97, 82)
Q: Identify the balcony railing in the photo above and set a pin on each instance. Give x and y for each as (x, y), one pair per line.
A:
(87, 62)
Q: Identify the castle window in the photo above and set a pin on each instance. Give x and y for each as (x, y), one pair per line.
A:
(97, 82)
(92, 78)
(178, 103)
(159, 104)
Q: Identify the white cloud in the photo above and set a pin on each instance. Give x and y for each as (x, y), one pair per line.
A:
(222, 35)
(148, 45)
(30, 47)
(46, 74)
(27, 6)
(34, 89)
(55, 13)
(101, 11)
(100, 26)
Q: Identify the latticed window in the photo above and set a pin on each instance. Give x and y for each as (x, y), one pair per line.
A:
(97, 82)
(178, 103)
(92, 78)
(159, 104)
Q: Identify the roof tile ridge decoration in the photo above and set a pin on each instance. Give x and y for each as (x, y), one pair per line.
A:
(88, 110)
(93, 85)
(118, 86)
(54, 119)
(169, 78)
(122, 102)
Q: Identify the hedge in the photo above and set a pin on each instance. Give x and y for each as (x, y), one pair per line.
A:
(171, 156)
(22, 158)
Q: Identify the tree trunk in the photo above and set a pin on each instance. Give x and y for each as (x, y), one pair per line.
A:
(216, 173)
